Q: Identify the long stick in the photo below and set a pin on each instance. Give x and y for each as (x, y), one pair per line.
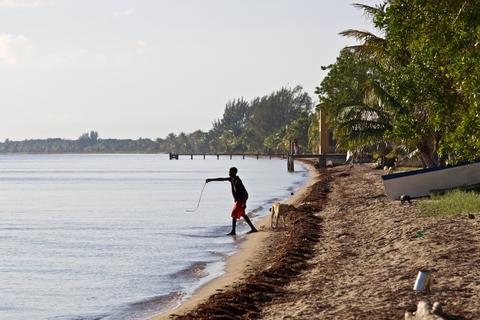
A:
(200, 198)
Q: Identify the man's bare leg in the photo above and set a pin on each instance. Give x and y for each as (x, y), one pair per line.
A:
(234, 226)
(247, 219)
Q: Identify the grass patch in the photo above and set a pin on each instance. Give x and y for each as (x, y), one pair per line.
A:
(452, 203)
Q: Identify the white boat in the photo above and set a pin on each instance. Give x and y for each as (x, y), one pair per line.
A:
(420, 183)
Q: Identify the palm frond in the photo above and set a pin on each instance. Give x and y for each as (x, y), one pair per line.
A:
(369, 10)
(361, 35)
(372, 44)
(363, 112)
(377, 95)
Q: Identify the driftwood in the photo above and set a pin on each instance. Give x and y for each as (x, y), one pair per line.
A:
(425, 311)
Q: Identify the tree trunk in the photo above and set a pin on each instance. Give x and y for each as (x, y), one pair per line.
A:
(428, 153)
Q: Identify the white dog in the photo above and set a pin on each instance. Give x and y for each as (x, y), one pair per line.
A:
(279, 211)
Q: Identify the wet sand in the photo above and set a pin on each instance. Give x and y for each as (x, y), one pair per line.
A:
(350, 253)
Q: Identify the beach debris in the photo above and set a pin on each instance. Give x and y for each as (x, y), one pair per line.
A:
(419, 234)
(471, 216)
(426, 312)
(388, 169)
(342, 174)
(423, 282)
(405, 198)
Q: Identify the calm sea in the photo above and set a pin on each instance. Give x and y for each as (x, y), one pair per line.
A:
(108, 236)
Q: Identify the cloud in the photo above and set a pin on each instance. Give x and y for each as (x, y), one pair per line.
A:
(123, 13)
(22, 3)
(143, 47)
(14, 48)
(66, 58)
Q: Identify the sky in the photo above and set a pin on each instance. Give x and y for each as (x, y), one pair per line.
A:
(145, 68)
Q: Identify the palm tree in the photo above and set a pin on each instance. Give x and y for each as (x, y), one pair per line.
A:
(366, 122)
(371, 44)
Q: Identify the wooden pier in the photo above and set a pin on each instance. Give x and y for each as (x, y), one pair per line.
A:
(176, 156)
(335, 158)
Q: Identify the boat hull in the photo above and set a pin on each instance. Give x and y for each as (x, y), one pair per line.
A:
(420, 183)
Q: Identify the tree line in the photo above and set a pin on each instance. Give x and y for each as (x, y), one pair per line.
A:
(86, 143)
(412, 87)
(263, 124)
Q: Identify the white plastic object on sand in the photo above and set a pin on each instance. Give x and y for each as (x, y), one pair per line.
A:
(423, 282)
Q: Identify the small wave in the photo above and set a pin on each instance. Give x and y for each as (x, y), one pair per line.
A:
(189, 235)
(273, 200)
(164, 300)
(255, 211)
(195, 270)
(95, 317)
(218, 254)
(146, 308)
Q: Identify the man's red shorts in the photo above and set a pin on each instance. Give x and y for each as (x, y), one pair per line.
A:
(238, 209)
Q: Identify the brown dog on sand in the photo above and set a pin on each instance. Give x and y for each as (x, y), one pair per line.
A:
(279, 211)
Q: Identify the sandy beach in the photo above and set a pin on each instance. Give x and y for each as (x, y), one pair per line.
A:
(348, 253)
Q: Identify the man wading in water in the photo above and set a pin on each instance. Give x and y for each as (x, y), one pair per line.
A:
(240, 195)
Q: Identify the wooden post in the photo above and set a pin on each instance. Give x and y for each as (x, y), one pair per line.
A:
(218, 157)
(323, 147)
(191, 156)
(290, 159)
(230, 156)
(243, 156)
(322, 161)
(204, 156)
(257, 156)
(290, 163)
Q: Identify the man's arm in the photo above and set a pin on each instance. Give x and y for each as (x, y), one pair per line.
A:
(217, 179)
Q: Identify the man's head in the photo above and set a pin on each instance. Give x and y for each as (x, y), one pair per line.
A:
(232, 172)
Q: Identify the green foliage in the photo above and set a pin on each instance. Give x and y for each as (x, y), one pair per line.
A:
(452, 203)
(86, 143)
(313, 133)
(235, 117)
(358, 108)
(276, 142)
(434, 48)
(416, 87)
(88, 139)
(271, 112)
(265, 123)
(299, 129)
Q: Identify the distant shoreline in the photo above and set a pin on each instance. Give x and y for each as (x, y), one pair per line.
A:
(73, 153)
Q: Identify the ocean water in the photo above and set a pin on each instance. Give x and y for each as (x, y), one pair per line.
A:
(108, 236)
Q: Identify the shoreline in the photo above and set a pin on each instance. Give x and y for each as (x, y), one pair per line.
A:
(350, 252)
(243, 262)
